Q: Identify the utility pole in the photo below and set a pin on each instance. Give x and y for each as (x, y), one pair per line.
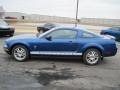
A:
(77, 7)
(2, 12)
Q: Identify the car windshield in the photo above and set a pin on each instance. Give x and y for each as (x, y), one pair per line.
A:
(3, 22)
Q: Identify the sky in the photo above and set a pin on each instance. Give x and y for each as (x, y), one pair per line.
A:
(65, 8)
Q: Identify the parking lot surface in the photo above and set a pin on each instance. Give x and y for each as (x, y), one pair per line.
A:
(58, 74)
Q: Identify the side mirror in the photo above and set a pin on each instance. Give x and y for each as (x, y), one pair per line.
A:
(49, 38)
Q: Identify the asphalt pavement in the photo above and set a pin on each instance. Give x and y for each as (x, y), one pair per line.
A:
(58, 74)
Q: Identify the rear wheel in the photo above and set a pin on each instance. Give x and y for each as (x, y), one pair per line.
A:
(20, 53)
(92, 56)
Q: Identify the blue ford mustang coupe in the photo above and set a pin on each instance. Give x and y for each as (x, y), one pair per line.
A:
(62, 41)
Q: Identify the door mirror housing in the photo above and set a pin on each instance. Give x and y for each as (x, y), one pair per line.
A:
(49, 38)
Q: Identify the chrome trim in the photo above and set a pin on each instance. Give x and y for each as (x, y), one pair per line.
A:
(54, 53)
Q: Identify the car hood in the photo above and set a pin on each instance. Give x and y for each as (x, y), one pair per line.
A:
(21, 37)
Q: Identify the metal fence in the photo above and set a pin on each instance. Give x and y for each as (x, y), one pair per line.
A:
(102, 22)
(54, 19)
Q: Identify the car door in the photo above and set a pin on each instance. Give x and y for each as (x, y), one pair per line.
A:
(59, 41)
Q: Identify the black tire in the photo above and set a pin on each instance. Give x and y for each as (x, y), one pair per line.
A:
(26, 52)
(102, 58)
(89, 59)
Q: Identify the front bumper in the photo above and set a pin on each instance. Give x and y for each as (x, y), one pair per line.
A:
(6, 49)
(7, 32)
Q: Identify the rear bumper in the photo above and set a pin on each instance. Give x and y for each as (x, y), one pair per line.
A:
(110, 53)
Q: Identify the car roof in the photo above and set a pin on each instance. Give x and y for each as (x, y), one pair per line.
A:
(70, 27)
(78, 28)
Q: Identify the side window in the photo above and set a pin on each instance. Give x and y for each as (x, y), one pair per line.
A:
(87, 35)
(63, 34)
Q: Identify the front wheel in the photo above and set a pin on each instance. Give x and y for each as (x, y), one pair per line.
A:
(92, 56)
(20, 53)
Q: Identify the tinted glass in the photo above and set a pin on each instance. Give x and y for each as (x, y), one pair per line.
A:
(87, 35)
(63, 34)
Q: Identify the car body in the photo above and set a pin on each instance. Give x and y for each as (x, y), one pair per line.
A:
(112, 31)
(5, 29)
(45, 27)
(62, 41)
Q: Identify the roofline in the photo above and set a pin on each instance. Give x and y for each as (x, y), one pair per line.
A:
(70, 27)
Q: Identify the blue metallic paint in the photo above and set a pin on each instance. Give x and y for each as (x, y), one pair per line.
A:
(107, 47)
(112, 32)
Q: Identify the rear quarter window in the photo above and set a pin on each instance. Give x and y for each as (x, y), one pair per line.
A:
(88, 35)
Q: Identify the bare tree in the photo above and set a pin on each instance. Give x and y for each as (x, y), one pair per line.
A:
(2, 12)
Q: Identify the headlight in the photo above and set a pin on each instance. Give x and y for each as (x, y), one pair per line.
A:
(5, 45)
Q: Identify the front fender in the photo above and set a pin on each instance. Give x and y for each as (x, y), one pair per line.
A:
(12, 44)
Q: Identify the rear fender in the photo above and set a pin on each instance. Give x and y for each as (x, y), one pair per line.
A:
(92, 45)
